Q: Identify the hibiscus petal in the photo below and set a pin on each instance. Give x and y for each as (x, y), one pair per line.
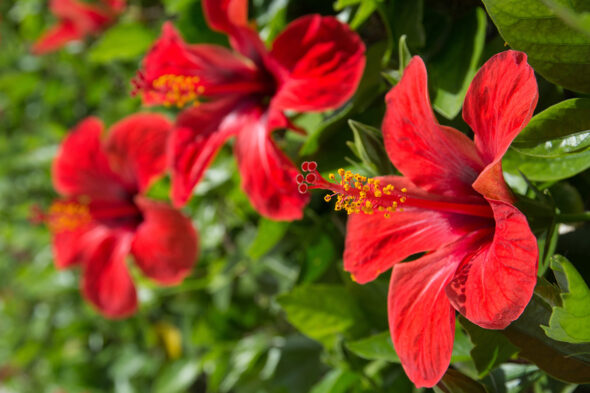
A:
(165, 244)
(106, 282)
(223, 15)
(436, 158)
(494, 285)
(500, 102)
(375, 243)
(200, 133)
(268, 176)
(136, 148)
(323, 61)
(56, 37)
(81, 166)
(193, 71)
(421, 319)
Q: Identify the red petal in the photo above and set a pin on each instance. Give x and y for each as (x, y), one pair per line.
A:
(165, 245)
(136, 147)
(494, 286)
(421, 319)
(106, 282)
(219, 71)
(436, 158)
(268, 176)
(81, 166)
(375, 243)
(224, 15)
(323, 61)
(500, 102)
(85, 16)
(76, 20)
(200, 134)
(56, 37)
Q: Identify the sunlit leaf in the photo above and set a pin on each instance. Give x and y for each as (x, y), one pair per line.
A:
(555, 50)
(570, 322)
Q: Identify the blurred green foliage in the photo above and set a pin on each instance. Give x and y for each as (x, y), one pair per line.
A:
(268, 307)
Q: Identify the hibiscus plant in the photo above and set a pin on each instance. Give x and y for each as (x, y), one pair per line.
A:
(292, 196)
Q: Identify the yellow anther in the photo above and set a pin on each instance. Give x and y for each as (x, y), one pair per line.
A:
(331, 176)
(402, 199)
(341, 172)
(177, 89)
(378, 193)
(387, 215)
(327, 197)
(404, 189)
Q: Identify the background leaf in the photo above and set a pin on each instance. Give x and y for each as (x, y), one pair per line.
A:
(570, 322)
(555, 50)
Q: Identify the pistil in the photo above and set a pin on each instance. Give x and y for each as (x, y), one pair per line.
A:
(358, 194)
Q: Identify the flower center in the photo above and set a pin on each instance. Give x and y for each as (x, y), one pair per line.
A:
(67, 216)
(177, 90)
(358, 194)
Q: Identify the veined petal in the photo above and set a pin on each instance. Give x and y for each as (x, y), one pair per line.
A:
(106, 282)
(375, 243)
(436, 158)
(136, 148)
(421, 319)
(323, 61)
(81, 166)
(268, 176)
(200, 133)
(165, 244)
(494, 285)
(500, 102)
(176, 73)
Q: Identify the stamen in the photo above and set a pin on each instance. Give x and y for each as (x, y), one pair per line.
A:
(359, 194)
(355, 193)
(177, 89)
(67, 216)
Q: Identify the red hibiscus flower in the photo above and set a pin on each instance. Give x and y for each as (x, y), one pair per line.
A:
(103, 216)
(77, 20)
(314, 65)
(453, 204)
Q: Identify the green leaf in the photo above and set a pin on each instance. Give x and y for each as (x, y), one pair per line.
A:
(177, 377)
(268, 235)
(455, 382)
(555, 50)
(512, 378)
(122, 42)
(578, 20)
(558, 130)
(565, 361)
(366, 8)
(454, 68)
(405, 17)
(537, 168)
(319, 256)
(336, 381)
(490, 349)
(570, 322)
(380, 347)
(323, 312)
(375, 347)
(369, 148)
